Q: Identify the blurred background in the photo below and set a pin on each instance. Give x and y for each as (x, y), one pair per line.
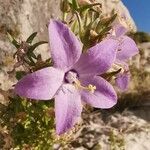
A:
(126, 126)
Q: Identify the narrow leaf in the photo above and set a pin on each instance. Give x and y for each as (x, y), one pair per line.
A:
(75, 4)
(32, 48)
(13, 40)
(20, 74)
(31, 37)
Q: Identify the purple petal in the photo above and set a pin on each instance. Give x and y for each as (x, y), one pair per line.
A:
(122, 81)
(41, 85)
(65, 47)
(68, 108)
(104, 95)
(127, 49)
(98, 59)
(120, 30)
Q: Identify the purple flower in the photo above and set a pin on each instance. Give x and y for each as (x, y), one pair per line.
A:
(127, 49)
(73, 76)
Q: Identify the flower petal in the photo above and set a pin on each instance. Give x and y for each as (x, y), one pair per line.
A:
(122, 81)
(104, 95)
(120, 30)
(98, 59)
(68, 108)
(65, 47)
(41, 85)
(128, 48)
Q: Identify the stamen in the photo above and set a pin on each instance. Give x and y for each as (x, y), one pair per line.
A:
(91, 88)
(72, 77)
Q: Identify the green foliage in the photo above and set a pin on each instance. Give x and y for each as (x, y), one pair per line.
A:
(20, 74)
(25, 53)
(75, 4)
(108, 76)
(31, 37)
(31, 123)
(13, 40)
(87, 22)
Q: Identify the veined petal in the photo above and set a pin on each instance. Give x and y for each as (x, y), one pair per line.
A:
(104, 95)
(64, 45)
(122, 81)
(127, 48)
(41, 85)
(68, 108)
(98, 59)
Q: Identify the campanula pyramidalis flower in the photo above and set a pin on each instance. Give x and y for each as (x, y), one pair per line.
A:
(74, 76)
(127, 49)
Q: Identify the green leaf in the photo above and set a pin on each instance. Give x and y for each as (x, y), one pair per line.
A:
(31, 37)
(115, 72)
(98, 27)
(13, 40)
(33, 55)
(32, 48)
(109, 75)
(75, 4)
(111, 19)
(105, 31)
(104, 23)
(20, 74)
(74, 26)
(31, 60)
(96, 14)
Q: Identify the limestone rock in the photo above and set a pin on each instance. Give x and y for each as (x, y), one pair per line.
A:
(22, 18)
(113, 131)
(27, 16)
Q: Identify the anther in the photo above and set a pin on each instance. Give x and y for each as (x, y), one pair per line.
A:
(89, 88)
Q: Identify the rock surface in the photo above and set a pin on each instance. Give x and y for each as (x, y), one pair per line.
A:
(21, 18)
(113, 131)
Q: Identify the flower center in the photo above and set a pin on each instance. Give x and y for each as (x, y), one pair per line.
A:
(73, 78)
